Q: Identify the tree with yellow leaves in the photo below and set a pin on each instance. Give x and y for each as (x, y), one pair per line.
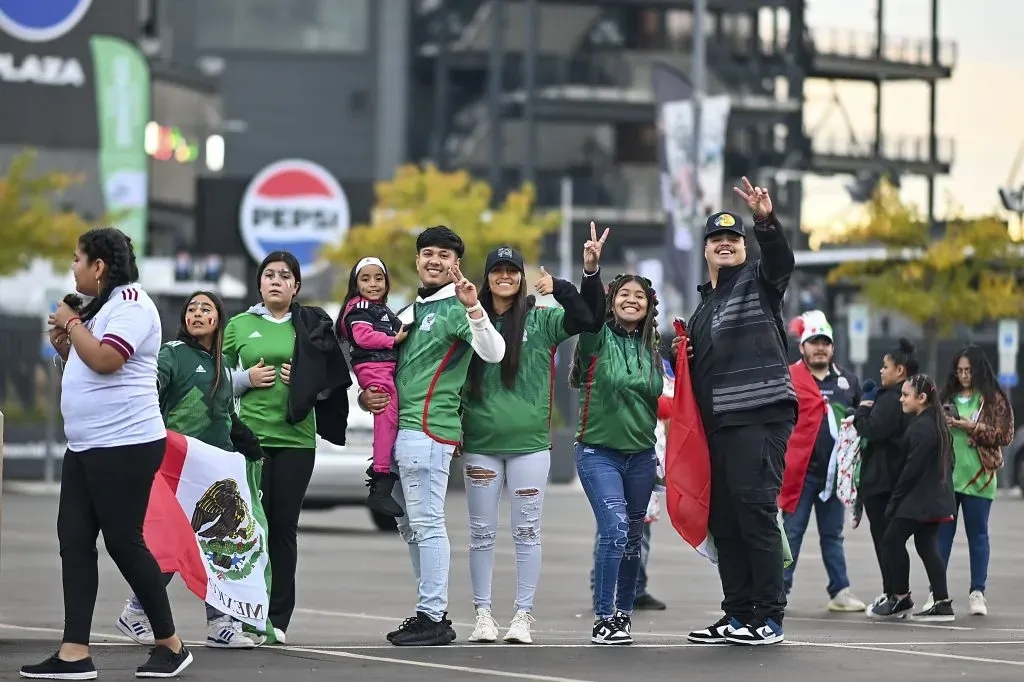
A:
(30, 225)
(417, 198)
(968, 276)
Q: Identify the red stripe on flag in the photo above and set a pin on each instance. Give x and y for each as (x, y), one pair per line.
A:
(167, 531)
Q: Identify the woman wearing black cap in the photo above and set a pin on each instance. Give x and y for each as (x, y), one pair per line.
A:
(506, 421)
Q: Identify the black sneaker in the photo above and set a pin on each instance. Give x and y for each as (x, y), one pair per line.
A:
(940, 612)
(380, 499)
(893, 608)
(612, 630)
(715, 633)
(55, 668)
(646, 602)
(761, 631)
(165, 663)
(448, 623)
(406, 624)
(424, 632)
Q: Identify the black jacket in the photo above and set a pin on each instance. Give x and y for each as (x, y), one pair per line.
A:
(381, 319)
(882, 458)
(924, 489)
(740, 366)
(320, 375)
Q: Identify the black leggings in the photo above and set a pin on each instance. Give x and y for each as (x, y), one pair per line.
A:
(874, 507)
(897, 561)
(286, 474)
(107, 489)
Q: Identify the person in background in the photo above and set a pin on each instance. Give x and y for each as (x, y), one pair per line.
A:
(116, 440)
(196, 400)
(826, 393)
(506, 415)
(921, 499)
(981, 419)
(881, 420)
(287, 355)
(620, 376)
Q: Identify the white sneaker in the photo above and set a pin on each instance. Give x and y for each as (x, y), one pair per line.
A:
(279, 636)
(977, 603)
(930, 603)
(486, 629)
(134, 623)
(226, 633)
(519, 630)
(846, 602)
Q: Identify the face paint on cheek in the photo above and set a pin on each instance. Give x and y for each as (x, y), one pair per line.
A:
(209, 321)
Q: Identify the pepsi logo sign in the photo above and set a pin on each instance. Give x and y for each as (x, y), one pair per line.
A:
(38, 21)
(293, 205)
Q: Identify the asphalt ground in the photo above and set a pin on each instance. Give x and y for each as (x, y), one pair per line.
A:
(355, 584)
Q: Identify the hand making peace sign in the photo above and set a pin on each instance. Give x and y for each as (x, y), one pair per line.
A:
(756, 198)
(592, 249)
(465, 290)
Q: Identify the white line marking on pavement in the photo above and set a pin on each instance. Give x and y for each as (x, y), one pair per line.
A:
(365, 616)
(868, 621)
(636, 645)
(121, 640)
(437, 666)
(929, 654)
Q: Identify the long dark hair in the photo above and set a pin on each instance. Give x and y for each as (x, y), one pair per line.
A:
(649, 336)
(511, 330)
(905, 356)
(922, 383)
(288, 259)
(983, 379)
(115, 249)
(353, 286)
(217, 343)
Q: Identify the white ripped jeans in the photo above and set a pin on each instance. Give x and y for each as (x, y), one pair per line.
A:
(527, 478)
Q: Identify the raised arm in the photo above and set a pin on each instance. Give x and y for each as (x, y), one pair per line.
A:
(777, 260)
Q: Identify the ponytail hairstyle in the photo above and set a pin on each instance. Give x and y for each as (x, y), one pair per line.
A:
(115, 249)
(217, 346)
(922, 383)
(905, 355)
(650, 339)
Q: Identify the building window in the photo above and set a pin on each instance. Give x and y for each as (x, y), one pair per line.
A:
(290, 26)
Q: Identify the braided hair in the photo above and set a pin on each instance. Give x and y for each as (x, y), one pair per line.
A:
(649, 336)
(923, 384)
(115, 249)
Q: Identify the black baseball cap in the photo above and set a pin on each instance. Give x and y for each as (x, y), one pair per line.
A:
(724, 221)
(504, 254)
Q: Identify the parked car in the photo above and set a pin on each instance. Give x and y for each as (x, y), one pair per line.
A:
(339, 473)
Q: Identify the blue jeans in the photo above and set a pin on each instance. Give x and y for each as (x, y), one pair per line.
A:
(645, 555)
(422, 465)
(619, 488)
(831, 516)
(975, 512)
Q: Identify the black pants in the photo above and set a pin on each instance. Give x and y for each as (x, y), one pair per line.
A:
(897, 561)
(874, 507)
(107, 489)
(747, 463)
(286, 474)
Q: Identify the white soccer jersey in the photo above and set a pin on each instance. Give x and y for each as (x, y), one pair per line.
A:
(121, 408)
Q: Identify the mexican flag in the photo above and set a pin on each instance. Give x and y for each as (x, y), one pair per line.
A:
(205, 522)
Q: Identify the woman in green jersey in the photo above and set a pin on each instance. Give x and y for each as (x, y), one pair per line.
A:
(195, 399)
(506, 418)
(619, 372)
(981, 421)
(263, 339)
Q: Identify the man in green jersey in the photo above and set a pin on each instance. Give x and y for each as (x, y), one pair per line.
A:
(447, 325)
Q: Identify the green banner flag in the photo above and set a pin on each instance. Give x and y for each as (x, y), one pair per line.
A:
(122, 101)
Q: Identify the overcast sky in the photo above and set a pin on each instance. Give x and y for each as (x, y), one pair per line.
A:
(981, 107)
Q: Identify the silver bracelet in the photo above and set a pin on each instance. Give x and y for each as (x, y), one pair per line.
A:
(478, 306)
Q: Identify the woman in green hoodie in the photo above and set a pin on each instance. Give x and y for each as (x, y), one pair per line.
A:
(619, 372)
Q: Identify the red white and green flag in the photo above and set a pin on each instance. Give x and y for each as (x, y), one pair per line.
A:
(205, 522)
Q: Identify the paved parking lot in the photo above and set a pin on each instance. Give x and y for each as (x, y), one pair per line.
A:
(355, 584)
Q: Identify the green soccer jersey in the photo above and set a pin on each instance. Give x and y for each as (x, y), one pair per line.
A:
(969, 476)
(516, 421)
(248, 337)
(432, 365)
(619, 388)
(185, 377)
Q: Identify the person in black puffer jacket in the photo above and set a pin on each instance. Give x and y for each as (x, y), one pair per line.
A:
(880, 419)
(922, 499)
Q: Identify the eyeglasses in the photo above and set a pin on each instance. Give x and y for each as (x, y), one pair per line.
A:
(963, 372)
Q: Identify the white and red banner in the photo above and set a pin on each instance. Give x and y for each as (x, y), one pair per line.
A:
(205, 522)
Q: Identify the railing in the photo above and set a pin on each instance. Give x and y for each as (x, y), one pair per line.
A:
(901, 148)
(898, 50)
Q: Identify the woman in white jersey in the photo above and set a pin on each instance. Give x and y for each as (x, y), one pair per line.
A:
(116, 439)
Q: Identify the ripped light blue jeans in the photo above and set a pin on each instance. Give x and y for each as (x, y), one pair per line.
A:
(422, 465)
(619, 487)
